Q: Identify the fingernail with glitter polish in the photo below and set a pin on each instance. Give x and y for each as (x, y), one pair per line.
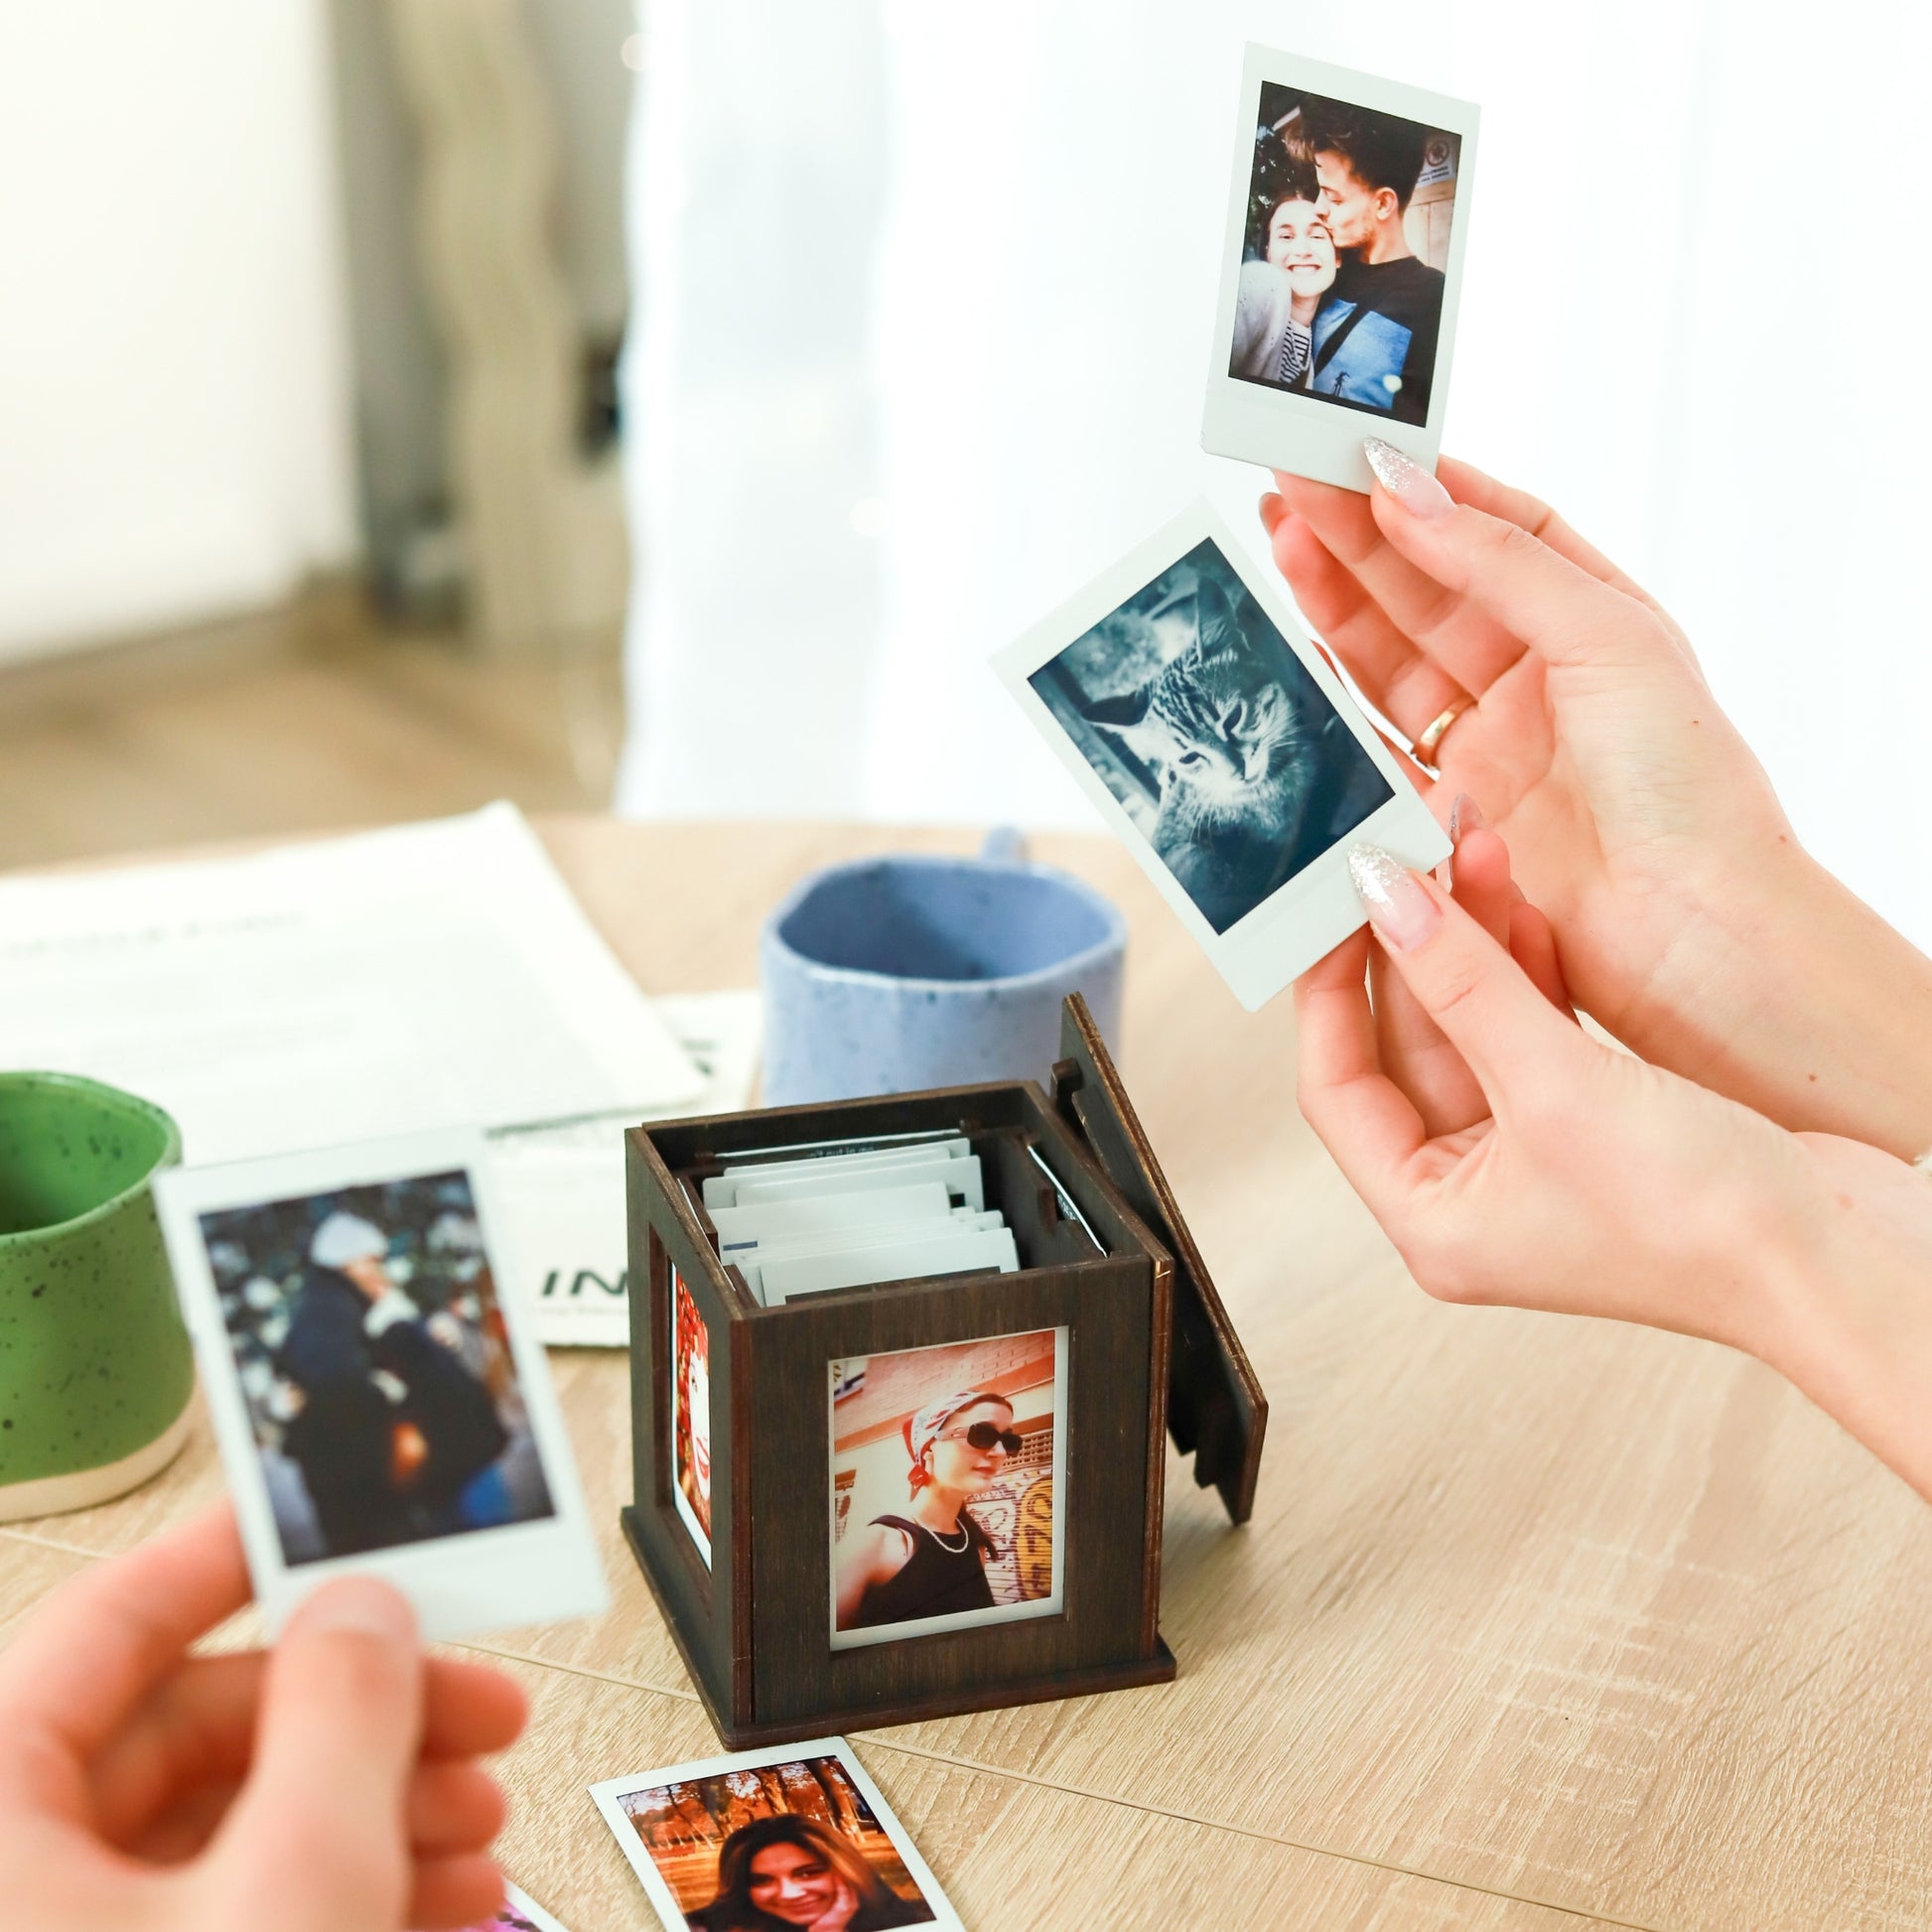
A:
(1398, 908)
(1406, 480)
(1465, 815)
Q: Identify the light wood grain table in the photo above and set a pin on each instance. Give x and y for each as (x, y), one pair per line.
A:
(1539, 1622)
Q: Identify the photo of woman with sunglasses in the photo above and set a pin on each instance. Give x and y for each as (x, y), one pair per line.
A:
(942, 1545)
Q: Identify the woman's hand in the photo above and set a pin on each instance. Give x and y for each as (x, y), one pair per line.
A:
(326, 1786)
(1512, 1159)
(1688, 920)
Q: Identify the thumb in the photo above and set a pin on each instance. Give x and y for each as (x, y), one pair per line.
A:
(1485, 1005)
(319, 1836)
(1555, 607)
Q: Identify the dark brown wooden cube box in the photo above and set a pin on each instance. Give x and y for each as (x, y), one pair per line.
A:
(1150, 1354)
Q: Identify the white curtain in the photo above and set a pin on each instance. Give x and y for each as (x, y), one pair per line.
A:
(925, 296)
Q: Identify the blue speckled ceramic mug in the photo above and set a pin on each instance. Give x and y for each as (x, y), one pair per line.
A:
(892, 974)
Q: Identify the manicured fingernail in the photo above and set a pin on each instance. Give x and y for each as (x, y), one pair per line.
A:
(361, 1604)
(1465, 815)
(1406, 480)
(1273, 509)
(1398, 908)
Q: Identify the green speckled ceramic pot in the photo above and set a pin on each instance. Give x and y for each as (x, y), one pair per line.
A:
(95, 1369)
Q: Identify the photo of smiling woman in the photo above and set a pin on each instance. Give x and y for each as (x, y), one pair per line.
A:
(1281, 291)
(945, 1466)
(766, 1841)
(786, 1870)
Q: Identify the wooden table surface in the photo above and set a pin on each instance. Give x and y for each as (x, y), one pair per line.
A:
(1539, 1622)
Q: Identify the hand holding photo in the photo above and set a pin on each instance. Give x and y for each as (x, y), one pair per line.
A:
(379, 1404)
(795, 1835)
(1221, 749)
(1342, 268)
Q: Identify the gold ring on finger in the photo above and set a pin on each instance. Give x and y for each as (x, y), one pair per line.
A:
(1424, 749)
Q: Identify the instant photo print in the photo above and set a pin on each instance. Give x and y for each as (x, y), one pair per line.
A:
(945, 1464)
(1341, 268)
(941, 1492)
(520, 1912)
(381, 1405)
(691, 1417)
(798, 1835)
(1221, 749)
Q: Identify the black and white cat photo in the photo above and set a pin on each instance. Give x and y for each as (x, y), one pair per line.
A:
(1202, 721)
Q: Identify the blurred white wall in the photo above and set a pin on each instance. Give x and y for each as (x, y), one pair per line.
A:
(174, 392)
(926, 323)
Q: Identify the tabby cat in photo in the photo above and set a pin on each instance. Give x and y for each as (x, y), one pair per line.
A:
(1256, 772)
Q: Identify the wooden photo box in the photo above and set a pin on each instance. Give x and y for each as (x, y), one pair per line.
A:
(765, 1438)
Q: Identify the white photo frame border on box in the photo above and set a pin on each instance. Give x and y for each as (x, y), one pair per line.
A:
(469, 1580)
(1305, 434)
(1052, 1604)
(606, 1793)
(1310, 914)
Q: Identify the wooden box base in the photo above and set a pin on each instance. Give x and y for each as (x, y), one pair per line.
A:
(1157, 1669)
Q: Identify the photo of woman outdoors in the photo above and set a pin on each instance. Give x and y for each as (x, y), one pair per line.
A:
(772, 1847)
(945, 1466)
(375, 1366)
(1340, 289)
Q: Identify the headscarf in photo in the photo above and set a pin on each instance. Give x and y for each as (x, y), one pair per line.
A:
(921, 1428)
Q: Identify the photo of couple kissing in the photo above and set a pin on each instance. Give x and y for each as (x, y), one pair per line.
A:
(1341, 292)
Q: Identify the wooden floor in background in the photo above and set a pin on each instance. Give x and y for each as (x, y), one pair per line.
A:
(299, 719)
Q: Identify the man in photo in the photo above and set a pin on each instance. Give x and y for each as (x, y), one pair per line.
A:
(380, 1471)
(1374, 338)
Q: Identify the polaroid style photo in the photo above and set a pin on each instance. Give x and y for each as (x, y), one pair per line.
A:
(380, 1402)
(520, 1912)
(691, 1417)
(1219, 747)
(1341, 267)
(797, 1835)
(945, 1465)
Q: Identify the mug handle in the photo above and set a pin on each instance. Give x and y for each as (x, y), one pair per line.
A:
(1004, 845)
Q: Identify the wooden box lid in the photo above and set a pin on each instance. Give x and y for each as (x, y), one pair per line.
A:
(1216, 1411)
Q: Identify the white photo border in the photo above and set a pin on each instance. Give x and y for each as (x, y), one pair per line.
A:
(520, 1901)
(1316, 911)
(679, 1502)
(1052, 1604)
(606, 1795)
(1303, 435)
(476, 1580)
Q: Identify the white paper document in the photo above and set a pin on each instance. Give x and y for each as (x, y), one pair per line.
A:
(562, 1188)
(427, 976)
